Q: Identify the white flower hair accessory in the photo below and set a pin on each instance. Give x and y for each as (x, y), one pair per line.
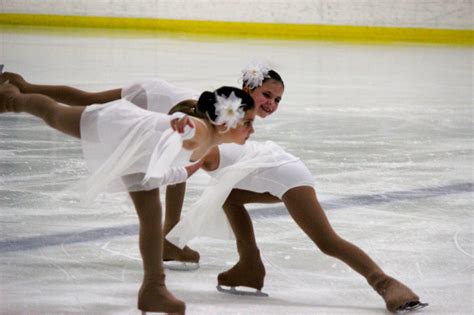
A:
(228, 110)
(254, 74)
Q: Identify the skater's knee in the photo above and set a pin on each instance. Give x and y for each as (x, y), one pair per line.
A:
(233, 200)
(101, 97)
(52, 118)
(146, 200)
(327, 248)
(331, 245)
(62, 121)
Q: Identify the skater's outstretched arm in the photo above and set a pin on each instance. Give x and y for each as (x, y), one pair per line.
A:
(62, 93)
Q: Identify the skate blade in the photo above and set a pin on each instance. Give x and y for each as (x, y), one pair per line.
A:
(145, 313)
(180, 265)
(233, 290)
(411, 306)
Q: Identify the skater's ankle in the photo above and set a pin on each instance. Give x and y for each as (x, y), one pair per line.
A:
(251, 259)
(167, 227)
(248, 252)
(160, 300)
(376, 277)
(153, 280)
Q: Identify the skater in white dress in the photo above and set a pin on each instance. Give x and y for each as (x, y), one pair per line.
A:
(160, 96)
(131, 149)
(289, 182)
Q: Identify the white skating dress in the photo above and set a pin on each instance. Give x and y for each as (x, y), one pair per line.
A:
(159, 95)
(255, 164)
(127, 148)
(276, 179)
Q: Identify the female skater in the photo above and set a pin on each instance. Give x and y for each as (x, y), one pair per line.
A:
(160, 96)
(290, 183)
(129, 148)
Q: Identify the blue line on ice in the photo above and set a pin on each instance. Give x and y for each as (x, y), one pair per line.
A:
(36, 242)
(365, 200)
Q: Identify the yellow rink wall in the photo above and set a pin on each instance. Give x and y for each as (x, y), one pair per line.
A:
(359, 20)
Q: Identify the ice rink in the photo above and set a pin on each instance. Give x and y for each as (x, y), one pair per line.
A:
(387, 131)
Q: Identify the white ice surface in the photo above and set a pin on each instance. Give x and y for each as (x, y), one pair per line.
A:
(386, 130)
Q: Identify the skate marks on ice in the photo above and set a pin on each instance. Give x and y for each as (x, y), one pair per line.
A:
(458, 245)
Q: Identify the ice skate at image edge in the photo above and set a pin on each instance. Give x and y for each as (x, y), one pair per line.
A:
(411, 306)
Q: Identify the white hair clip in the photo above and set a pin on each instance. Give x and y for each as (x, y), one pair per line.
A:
(254, 74)
(228, 110)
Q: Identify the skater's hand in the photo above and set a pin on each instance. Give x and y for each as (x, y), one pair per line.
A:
(178, 124)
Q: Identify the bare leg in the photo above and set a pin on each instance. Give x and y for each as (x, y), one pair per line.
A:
(305, 209)
(249, 270)
(174, 205)
(63, 118)
(153, 295)
(61, 93)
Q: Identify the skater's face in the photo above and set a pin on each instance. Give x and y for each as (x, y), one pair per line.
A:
(267, 97)
(244, 128)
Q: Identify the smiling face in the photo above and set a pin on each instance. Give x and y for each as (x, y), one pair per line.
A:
(244, 128)
(267, 97)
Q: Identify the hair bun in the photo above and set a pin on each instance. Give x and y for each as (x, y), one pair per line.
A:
(206, 100)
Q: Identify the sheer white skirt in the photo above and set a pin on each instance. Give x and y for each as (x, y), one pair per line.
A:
(120, 142)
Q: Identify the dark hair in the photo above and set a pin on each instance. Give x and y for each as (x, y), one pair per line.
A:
(271, 75)
(205, 106)
(188, 107)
